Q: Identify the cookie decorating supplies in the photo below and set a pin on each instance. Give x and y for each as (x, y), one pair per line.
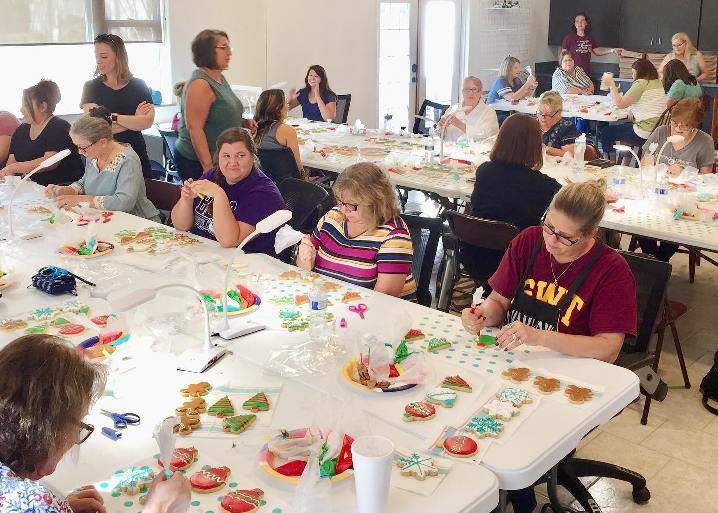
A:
(166, 438)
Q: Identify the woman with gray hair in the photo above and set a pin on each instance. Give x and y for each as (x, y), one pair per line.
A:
(471, 117)
(558, 133)
(113, 173)
(42, 419)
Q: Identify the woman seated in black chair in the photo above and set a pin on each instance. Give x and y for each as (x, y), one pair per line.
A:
(272, 132)
(510, 187)
(559, 287)
(318, 101)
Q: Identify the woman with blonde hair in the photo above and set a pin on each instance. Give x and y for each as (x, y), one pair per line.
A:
(508, 85)
(42, 420)
(472, 117)
(272, 132)
(362, 240)
(128, 98)
(684, 51)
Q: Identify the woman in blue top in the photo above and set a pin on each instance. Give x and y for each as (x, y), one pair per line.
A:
(679, 83)
(318, 101)
(113, 173)
(508, 85)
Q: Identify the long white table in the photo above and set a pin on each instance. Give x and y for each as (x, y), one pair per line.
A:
(589, 107)
(541, 440)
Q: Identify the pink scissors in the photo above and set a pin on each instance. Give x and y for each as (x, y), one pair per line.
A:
(358, 309)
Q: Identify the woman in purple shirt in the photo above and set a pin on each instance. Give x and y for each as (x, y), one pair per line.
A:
(581, 45)
(228, 200)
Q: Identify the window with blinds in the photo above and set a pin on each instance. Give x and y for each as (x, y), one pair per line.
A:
(47, 22)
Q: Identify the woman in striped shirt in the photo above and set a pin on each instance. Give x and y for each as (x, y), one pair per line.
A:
(362, 240)
(569, 78)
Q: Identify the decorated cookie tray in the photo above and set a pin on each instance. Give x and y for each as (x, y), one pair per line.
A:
(553, 386)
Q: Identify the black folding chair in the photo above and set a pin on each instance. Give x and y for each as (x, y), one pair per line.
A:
(342, 112)
(425, 233)
(304, 200)
(169, 146)
(429, 109)
(278, 164)
(163, 195)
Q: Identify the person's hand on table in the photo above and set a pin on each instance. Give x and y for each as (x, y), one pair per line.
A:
(473, 319)
(51, 190)
(250, 124)
(206, 188)
(306, 254)
(617, 51)
(514, 334)
(10, 169)
(86, 500)
(70, 200)
(675, 169)
(168, 495)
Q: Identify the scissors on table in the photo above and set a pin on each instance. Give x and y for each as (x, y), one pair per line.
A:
(122, 420)
(358, 309)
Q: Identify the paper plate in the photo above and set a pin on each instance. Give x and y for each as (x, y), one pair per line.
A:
(265, 460)
(346, 375)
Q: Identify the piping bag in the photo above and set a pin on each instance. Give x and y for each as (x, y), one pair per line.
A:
(164, 434)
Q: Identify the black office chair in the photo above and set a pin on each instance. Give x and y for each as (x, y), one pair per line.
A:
(163, 195)
(651, 277)
(278, 164)
(342, 112)
(431, 110)
(425, 233)
(304, 200)
(169, 145)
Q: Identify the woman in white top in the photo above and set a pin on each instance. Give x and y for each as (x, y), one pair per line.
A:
(684, 51)
(471, 117)
(569, 78)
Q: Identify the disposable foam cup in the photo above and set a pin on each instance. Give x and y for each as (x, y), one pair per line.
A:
(372, 457)
(607, 76)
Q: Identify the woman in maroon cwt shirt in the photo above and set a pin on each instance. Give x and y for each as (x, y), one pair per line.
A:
(580, 43)
(570, 293)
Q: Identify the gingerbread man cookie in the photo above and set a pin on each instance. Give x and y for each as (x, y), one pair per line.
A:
(517, 374)
(578, 395)
(187, 424)
(196, 389)
(547, 385)
(194, 406)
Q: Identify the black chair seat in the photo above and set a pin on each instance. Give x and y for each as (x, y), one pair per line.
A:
(304, 200)
(344, 101)
(437, 110)
(278, 164)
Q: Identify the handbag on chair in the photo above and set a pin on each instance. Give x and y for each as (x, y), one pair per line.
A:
(709, 387)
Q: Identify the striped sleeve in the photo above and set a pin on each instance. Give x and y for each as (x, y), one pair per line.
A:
(503, 87)
(558, 82)
(395, 253)
(582, 78)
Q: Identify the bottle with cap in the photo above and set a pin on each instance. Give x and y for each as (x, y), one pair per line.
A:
(579, 151)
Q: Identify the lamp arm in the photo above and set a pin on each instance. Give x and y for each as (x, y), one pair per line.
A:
(660, 153)
(14, 193)
(207, 342)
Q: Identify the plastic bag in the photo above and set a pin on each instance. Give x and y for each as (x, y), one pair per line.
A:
(286, 237)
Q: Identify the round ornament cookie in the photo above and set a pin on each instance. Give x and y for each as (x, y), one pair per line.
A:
(209, 479)
(182, 458)
(243, 501)
(461, 446)
(418, 411)
(71, 329)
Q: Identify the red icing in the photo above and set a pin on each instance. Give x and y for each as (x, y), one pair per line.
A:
(100, 320)
(344, 460)
(420, 409)
(413, 334)
(460, 445)
(293, 468)
(71, 329)
(242, 501)
(393, 373)
(182, 457)
(209, 478)
(246, 294)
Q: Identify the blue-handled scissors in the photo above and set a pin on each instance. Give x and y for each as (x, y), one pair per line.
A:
(122, 420)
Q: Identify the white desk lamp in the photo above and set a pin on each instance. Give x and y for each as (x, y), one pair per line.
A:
(266, 225)
(624, 147)
(193, 361)
(670, 139)
(48, 162)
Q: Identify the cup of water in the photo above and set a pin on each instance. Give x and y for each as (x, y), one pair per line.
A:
(372, 456)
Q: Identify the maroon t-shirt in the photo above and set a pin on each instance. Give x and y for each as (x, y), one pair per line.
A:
(605, 303)
(581, 48)
(8, 123)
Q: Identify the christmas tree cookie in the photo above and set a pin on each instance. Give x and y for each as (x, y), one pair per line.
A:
(436, 344)
(456, 383)
(222, 408)
(258, 402)
(238, 423)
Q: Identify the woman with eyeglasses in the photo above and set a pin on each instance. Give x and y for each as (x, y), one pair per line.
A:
(318, 101)
(558, 133)
(41, 136)
(127, 97)
(208, 106)
(42, 421)
(569, 78)
(472, 117)
(113, 174)
(684, 51)
(363, 240)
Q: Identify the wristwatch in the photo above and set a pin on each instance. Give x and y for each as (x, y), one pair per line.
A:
(113, 117)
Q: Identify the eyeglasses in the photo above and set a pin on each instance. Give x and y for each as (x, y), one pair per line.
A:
(678, 45)
(563, 239)
(85, 431)
(470, 90)
(349, 207)
(84, 149)
(546, 116)
(680, 127)
(226, 48)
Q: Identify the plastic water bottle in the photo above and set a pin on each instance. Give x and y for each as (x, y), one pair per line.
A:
(618, 183)
(388, 124)
(579, 152)
(320, 327)
(429, 146)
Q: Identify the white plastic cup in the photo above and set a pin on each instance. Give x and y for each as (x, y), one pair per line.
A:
(372, 457)
(605, 80)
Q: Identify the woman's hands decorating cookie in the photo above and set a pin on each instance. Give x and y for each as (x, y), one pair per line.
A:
(516, 333)
(306, 254)
(205, 188)
(86, 500)
(473, 319)
(72, 200)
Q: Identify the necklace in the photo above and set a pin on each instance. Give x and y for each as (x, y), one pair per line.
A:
(36, 132)
(556, 278)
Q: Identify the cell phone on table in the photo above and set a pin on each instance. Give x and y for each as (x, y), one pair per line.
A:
(601, 163)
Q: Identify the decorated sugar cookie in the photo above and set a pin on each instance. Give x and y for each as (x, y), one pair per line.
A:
(100, 320)
(328, 286)
(441, 396)
(578, 395)
(222, 408)
(71, 329)
(209, 479)
(283, 300)
(417, 466)
(460, 446)
(13, 324)
(350, 296)
(258, 402)
(301, 299)
(134, 480)
(243, 501)
(413, 335)
(500, 409)
(517, 374)
(196, 389)
(288, 275)
(456, 383)
(289, 315)
(485, 427)
(194, 406)
(435, 345)
(187, 424)
(238, 423)
(514, 395)
(418, 411)
(182, 458)
(547, 385)
(38, 328)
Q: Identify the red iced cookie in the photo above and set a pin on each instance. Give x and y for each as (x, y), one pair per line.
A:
(418, 411)
(461, 446)
(243, 501)
(100, 320)
(71, 329)
(209, 479)
(293, 468)
(182, 457)
(393, 372)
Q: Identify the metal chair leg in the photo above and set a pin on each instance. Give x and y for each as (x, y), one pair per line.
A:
(447, 281)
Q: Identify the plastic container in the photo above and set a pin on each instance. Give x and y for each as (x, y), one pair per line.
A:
(579, 153)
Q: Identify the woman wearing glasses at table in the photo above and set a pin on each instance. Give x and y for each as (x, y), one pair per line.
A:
(472, 117)
(558, 133)
(569, 78)
(42, 421)
(208, 106)
(362, 240)
(684, 51)
(127, 97)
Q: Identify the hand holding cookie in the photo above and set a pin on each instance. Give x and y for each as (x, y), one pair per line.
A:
(515, 334)
(473, 319)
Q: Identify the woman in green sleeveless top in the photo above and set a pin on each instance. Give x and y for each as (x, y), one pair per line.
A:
(208, 105)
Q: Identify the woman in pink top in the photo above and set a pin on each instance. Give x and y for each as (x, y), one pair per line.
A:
(8, 124)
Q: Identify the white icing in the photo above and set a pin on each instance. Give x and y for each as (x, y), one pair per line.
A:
(443, 395)
(500, 409)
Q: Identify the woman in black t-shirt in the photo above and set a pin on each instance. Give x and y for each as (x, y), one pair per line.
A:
(128, 98)
(41, 136)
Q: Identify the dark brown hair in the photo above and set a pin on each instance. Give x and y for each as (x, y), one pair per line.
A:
(45, 91)
(269, 111)
(676, 70)
(203, 48)
(588, 22)
(231, 136)
(690, 111)
(323, 84)
(519, 142)
(46, 387)
(644, 69)
(122, 64)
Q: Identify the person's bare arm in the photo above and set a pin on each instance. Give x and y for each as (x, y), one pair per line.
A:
(390, 284)
(198, 100)
(182, 214)
(706, 170)
(663, 64)
(524, 91)
(287, 136)
(143, 118)
(21, 168)
(702, 66)
(293, 102)
(622, 101)
(4, 148)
